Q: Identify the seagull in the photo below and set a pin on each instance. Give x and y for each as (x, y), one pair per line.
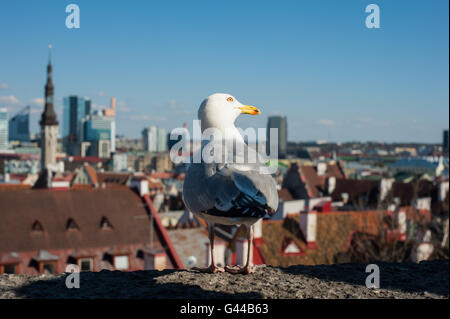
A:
(236, 191)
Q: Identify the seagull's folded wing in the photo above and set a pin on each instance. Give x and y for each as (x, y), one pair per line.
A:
(229, 192)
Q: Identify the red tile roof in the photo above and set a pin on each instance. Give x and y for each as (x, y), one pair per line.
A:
(113, 178)
(92, 173)
(285, 195)
(20, 209)
(334, 231)
(315, 184)
(165, 239)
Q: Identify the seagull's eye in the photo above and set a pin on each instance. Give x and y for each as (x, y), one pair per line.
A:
(230, 99)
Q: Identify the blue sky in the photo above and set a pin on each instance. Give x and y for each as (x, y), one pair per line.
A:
(314, 61)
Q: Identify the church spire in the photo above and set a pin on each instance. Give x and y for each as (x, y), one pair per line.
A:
(49, 115)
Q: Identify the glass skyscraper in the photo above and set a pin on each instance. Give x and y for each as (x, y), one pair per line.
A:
(19, 126)
(98, 127)
(3, 129)
(74, 110)
(154, 139)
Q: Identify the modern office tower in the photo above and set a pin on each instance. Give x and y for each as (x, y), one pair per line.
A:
(154, 139)
(19, 126)
(3, 129)
(150, 138)
(279, 123)
(111, 112)
(162, 140)
(445, 142)
(74, 111)
(99, 128)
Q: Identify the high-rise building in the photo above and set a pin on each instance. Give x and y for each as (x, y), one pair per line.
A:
(150, 139)
(75, 110)
(161, 145)
(154, 139)
(445, 142)
(99, 128)
(3, 129)
(19, 126)
(111, 112)
(279, 123)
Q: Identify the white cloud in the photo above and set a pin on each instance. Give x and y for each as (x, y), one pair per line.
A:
(326, 122)
(9, 99)
(38, 101)
(143, 117)
(371, 121)
(178, 107)
(122, 106)
(4, 86)
(36, 110)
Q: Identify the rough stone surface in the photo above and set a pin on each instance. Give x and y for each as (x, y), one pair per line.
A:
(428, 279)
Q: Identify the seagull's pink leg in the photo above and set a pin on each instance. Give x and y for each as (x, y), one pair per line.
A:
(212, 268)
(247, 269)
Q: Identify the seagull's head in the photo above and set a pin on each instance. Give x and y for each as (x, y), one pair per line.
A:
(221, 110)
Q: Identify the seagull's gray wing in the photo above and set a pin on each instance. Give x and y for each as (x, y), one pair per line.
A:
(224, 190)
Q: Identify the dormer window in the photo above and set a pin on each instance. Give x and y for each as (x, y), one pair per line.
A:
(37, 227)
(290, 248)
(72, 225)
(105, 224)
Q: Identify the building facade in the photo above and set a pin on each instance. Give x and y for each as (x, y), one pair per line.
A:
(75, 109)
(19, 126)
(3, 129)
(154, 139)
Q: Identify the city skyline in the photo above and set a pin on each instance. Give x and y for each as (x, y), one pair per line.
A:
(341, 84)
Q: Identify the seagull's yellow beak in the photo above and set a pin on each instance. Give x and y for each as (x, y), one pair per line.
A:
(247, 109)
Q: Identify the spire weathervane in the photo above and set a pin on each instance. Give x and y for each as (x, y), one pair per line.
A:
(49, 53)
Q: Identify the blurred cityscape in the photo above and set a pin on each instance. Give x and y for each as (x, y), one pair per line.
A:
(103, 201)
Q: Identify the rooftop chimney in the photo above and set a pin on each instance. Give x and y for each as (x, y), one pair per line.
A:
(154, 260)
(385, 187)
(141, 184)
(331, 184)
(321, 169)
(308, 226)
(443, 190)
(402, 224)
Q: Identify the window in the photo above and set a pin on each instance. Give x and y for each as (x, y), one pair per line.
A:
(121, 262)
(48, 268)
(86, 264)
(105, 224)
(8, 269)
(72, 225)
(37, 227)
